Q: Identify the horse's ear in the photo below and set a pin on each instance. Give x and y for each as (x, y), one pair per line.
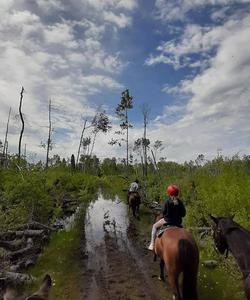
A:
(214, 219)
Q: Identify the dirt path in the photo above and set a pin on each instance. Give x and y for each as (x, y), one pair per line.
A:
(115, 266)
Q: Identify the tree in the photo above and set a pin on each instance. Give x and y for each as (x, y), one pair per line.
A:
(145, 141)
(101, 123)
(200, 160)
(139, 147)
(49, 144)
(5, 145)
(158, 147)
(72, 162)
(80, 144)
(122, 112)
(22, 120)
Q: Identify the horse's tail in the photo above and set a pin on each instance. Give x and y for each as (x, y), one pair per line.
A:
(189, 259)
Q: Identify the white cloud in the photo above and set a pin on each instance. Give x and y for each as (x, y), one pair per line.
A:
(120, 20)
(169, 10)
(217, 110)
(195, 40)
(55, 57)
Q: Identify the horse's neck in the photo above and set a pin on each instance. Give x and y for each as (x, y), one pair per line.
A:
(238, 241)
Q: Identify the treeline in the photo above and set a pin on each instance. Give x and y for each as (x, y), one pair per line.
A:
(220, 186)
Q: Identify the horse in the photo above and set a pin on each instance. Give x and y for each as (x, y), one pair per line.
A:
(134, 201)
(230, 236)
(41, 294)
(178, 253)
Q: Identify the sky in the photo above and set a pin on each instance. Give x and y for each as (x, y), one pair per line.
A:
(188, 60)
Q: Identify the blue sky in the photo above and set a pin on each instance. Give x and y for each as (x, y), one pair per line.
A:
(189, 60)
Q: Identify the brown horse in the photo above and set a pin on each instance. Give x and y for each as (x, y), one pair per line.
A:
(41, 294)
(179, 253)
(230, 236)
(134, 201)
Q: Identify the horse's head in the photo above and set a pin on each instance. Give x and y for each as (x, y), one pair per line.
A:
(42, 294)
(219, 234)
(221, 227)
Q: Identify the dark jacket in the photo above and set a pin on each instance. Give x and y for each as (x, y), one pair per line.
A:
(173, 213)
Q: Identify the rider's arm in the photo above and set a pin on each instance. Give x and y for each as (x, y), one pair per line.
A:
(182, 209)
(165, 208)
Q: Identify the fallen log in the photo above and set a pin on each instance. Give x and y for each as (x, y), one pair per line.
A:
(17, 278)
(12, 245)
(12, 235)
(201, 229)
(19, 254)
(8, 236)
(34, 225)
(23, 264)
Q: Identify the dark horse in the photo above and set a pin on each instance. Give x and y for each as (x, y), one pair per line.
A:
(230, 236)
(41, 294)
(179, 253)
(134, 201)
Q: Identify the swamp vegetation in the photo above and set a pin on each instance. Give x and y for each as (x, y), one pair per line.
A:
(31, 193)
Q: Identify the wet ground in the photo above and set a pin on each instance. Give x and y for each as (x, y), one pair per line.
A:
(104, 257)
(116, 268)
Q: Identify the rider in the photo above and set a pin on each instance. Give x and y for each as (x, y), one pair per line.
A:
(173, 211)
(134, 187)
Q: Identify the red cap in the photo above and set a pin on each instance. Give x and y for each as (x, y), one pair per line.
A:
(172, 190)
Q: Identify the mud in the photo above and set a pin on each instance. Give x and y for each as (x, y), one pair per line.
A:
(116, 266)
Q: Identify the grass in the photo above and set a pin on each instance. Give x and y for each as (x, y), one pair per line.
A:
(61, 259)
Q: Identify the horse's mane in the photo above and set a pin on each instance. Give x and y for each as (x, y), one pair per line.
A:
(227, 225)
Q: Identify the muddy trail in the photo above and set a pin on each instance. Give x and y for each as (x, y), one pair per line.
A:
(115, 265)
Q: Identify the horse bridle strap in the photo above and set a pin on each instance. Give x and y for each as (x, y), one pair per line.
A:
(227, 251)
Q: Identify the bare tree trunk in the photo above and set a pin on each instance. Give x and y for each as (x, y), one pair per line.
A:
(154, 160)
(127, 133)
(142, 164)
(79, 148)
(49, 137)
(6, 153)
(145, 112)
(22, 130)
(6, 135)
(145, 146)
(93, 143)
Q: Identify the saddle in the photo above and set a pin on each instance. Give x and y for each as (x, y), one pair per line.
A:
(165, 227)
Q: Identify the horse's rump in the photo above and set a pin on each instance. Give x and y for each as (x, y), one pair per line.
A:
(177, 248)
(134, 201)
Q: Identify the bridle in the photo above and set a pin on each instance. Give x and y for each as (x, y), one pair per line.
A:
(220, 242)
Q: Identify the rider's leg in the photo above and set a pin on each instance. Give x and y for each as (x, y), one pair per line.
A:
(154, 230)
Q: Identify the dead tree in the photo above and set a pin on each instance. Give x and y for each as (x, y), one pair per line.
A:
(5, 145)
(80, 144)
(145, 111)
(49, 137)
(22, 120)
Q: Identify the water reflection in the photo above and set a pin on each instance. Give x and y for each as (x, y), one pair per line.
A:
(105, 216)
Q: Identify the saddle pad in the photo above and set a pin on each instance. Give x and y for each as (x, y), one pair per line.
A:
(164, 228)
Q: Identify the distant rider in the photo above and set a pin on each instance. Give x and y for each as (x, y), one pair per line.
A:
(173, 211)
(133, 188)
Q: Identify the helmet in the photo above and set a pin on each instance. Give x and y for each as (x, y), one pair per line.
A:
(172, 190)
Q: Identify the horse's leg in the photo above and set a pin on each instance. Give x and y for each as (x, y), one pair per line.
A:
(173, 282)
(162, 265)
(247, 287)
(134, 209)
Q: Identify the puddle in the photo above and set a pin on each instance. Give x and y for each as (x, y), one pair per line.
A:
(105, 216)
